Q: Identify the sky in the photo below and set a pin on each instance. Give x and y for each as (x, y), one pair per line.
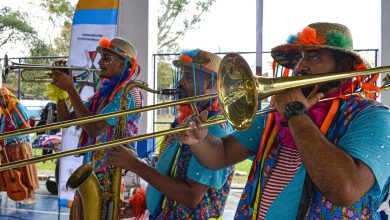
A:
(231, 25)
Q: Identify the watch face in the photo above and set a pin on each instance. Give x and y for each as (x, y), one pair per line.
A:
(297, 106)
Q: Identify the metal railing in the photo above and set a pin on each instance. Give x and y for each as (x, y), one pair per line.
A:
(371, 55)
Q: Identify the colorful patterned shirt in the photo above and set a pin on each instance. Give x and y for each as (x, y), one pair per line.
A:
(101, 105)
(366, 137)
(213, 202)
(14, 122)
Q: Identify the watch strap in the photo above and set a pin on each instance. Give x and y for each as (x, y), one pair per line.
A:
(293, 109)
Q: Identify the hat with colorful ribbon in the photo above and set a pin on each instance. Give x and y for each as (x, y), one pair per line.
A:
(118, 46)
(209, 62)
(316, 36)
(333, 36)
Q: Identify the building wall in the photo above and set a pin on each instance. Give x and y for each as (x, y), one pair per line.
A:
(385, 44)
(138, 24)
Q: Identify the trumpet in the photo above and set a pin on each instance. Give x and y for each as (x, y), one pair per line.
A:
(41, 73)
(239, 93)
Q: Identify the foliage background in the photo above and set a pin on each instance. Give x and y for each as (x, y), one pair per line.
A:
(175, 19)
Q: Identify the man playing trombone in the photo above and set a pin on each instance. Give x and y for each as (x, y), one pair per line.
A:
(179, 187)
(313, 160)
(118, 66)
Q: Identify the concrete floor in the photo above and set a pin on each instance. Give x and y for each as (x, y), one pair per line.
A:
(231, 204)
(47, 207)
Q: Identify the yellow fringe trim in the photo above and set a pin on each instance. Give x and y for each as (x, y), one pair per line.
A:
(55, 93)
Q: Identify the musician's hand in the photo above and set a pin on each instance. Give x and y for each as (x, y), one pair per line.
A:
(194, 136)
(62, 79)
(123, 157)
(281, 100)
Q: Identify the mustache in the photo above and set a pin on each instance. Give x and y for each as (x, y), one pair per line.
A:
(323, 88)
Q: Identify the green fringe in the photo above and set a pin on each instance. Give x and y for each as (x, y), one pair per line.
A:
(338, 39)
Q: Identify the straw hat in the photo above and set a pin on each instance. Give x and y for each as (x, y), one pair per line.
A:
(209, 61)
(118, 46)
(315, 36)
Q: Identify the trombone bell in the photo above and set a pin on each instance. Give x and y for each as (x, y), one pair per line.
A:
(237, 91)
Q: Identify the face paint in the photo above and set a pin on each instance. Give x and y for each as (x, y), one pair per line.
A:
(110, 64)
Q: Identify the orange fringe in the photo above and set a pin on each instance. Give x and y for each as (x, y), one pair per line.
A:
(119, 87)
(330, 116)
(361, 66)
(309, 36)
(274, 68)
(286, 71)
(185, 110)
(185, 57)
(138, 201)
(369, 87)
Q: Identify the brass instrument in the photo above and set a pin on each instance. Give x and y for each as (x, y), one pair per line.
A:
(120, 113)
(239, 94)
(240, 91)
(84, 180)
(41, 73)
(105, 205)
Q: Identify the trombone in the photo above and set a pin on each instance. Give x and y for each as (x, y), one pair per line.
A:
(239, 90)
(239, 94)
(40, 75)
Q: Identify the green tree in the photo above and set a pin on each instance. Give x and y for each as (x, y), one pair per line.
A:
(175, 18)
(60, 10)
(62, 42)
(60, 14)
(40, 48)
(14, 27)
(165, 75)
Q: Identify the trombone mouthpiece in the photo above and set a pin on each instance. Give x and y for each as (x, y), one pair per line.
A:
(169, 92)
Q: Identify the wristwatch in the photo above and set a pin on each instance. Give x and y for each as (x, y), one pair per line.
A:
(294, 108)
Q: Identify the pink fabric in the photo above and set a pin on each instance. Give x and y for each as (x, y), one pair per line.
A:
(317, 113)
